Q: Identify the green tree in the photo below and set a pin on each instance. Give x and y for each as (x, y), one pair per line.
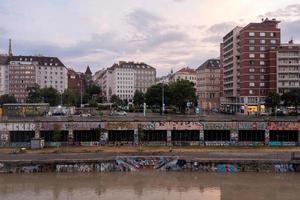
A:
(153, 96)
(272, 101)
(116, 100)
(6, 98)
(138, 98)
(50, 95)
(34, 94)
(71, 97)
(292, 98)
(182, 92)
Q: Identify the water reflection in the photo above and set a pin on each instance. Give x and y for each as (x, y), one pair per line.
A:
(149, 185)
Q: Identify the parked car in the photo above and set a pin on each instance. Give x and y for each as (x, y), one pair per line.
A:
(85, 115)
(120, 113)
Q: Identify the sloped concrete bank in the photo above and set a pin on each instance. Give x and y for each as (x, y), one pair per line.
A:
(158, 163)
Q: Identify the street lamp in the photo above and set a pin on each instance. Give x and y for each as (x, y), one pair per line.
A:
(163, 99)
(81, 93)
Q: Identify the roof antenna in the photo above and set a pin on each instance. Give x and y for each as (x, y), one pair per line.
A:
(9, 48)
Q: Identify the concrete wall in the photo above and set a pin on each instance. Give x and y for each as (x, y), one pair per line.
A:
(234, 127)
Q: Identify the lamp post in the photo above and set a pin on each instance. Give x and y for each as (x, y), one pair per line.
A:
(81, 93)
(163, 99)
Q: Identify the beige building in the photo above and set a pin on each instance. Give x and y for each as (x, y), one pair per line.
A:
(288, 67)
(185, 74)
(208, 84)
(22, 72)
(124, 78)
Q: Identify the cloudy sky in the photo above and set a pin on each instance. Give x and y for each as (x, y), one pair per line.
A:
(163, 33)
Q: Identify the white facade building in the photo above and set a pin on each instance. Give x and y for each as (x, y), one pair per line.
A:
(124, 78)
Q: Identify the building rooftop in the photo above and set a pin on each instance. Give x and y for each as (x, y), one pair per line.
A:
(41, 60)
(211, 63)
(186, 70)
(133, 65)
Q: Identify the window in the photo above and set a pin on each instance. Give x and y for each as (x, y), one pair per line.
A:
(251, 70)
(262, 48)
(262, 77)
(251, 84)
(263, 41)
(262, 62)
(251, 77)
(251, 55)
(262, 55)
(263, 70)
(251, 41)
(262, 84)
(251, 48)
(273, 41)
(250, 91)
(251, 34)
(262, 34)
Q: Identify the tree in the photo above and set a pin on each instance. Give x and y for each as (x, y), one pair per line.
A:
(153, 96)
(138, 98)
(116, 100)
(272, 100)
(71, 97)
(34, 94)
(292, 98)
(50, 95)
(6, 98)
(182, 92)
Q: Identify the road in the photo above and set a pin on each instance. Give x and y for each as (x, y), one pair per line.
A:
(282, 156)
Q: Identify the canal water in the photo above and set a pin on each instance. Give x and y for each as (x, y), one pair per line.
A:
(150, 186)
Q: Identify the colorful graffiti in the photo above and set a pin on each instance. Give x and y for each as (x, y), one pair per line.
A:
(219, 125)
(283, 126)
(252, 125)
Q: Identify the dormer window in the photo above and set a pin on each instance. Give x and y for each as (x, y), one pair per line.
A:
(45, 64)
(50, 64)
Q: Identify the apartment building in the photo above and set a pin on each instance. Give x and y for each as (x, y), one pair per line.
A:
(124, 78)
(3, 74)
(208, 84)
(230, 65)
(249, 58)
(288, 67)
(22, 72)
(185, 74)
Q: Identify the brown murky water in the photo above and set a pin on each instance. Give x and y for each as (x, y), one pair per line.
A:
(150, 186)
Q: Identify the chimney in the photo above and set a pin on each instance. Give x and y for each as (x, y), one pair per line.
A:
(9, 48)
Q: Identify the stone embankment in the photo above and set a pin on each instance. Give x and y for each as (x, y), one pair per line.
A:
(83, 163)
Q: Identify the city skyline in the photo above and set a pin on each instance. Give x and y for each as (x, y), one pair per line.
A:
(98, 34)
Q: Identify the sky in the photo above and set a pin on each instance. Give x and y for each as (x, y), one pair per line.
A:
(166, 34)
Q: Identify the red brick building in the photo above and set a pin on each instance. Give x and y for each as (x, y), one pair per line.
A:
(255, 53)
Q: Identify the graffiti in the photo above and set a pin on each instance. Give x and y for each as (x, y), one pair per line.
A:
(283, 126)
(134, 163)
(4, 136)
(277, 143)
(223, 168)
(75, 168)
(234, 137)
(20, 144)
(254, 144)
(251, 125)
(120, 125)
(178, 126)
(30, 169)
(283, 168)
(219, 125)
(217, 143)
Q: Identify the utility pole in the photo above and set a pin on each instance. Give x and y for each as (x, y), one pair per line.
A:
(81, 93)
(163, 99)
